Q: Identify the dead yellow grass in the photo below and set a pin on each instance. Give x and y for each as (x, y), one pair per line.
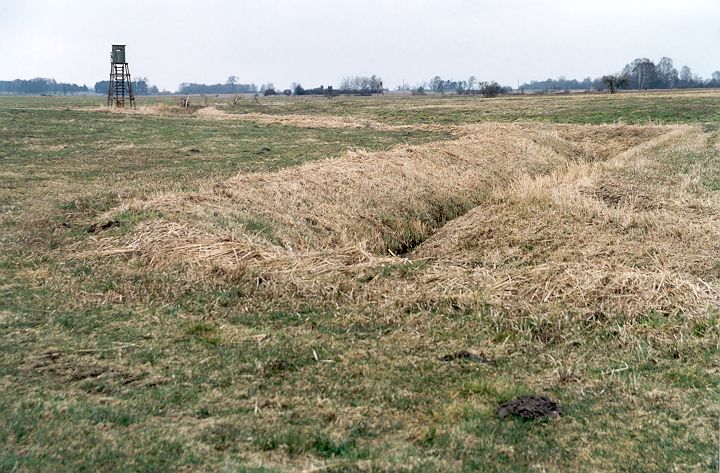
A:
(544, 223)
(159, 109)
(590, 242)
(317, 121)
(386, 201)
(304, 121)
(295, 120)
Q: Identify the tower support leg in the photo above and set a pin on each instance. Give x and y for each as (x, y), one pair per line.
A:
(120, 86)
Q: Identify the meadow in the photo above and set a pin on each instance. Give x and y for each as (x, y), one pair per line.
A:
(356, 284)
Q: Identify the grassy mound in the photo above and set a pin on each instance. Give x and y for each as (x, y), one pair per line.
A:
(385, 202)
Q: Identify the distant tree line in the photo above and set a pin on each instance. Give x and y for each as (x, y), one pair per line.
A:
(640, 74)
(40, 86)
(563, 83)
(358, 85)
(372, 84)
(472, 86)
(231, 86)
(140, 87)
(298, 89)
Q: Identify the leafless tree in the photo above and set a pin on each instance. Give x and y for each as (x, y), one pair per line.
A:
(490, 89)
(666, 72)
(472, 82)
(645, 73)
(615, 81)
(231, 81)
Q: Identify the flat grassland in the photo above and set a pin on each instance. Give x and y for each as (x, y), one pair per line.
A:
(356, 284)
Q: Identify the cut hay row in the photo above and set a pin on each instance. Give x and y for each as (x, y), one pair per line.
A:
(313, 121)
(386, 202)
(295, 120)
(540, 218)
(559, 240)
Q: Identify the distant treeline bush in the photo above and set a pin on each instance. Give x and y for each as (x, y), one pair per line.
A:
(331, 91)
(562, 83)
(40, 86)
(140, 87)
(227, 88)
(358, 85)
(640, 74)
(472, 86)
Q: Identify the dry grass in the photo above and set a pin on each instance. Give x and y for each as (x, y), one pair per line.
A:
(544, 225)
(309, 318)
(549, 234)
(584, 240)
(317, 121)
(296, 120)
(162, 109)
(304, 121)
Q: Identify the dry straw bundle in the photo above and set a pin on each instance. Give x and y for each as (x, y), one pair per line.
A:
(526, 218)
(387, 201)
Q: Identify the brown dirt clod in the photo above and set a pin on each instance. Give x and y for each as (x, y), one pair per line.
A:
(280, 365)
(530, 407)
(94, 228)
(467, 356)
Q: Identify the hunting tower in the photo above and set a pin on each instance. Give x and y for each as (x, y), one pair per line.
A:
(120, 83)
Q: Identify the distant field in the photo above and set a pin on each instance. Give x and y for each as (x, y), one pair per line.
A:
(357, 284)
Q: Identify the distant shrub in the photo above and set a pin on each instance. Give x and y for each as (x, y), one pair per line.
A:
(491, 89)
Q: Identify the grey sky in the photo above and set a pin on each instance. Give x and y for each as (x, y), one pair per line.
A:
(320, 41)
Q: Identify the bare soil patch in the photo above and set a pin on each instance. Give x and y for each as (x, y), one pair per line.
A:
(532, 407)
(96, 227)
(465, 355)
(92, 375)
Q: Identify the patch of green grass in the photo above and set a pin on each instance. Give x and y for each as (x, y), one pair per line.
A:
(258, 226)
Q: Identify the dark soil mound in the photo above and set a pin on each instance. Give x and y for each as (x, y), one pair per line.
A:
(94, 228)
(466, 356)
(530, 407)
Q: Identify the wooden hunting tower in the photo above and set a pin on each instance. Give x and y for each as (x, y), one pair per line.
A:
(120, 82)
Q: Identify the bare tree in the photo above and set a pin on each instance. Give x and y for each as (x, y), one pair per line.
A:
(645, 72)
(615, 81)
(437, 85)
(686, 77)
(372, 84)
(490, 89)
(231, 81)
(666, 72)
(472, 82)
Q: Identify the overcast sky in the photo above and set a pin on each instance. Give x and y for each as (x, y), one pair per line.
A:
(320, 41)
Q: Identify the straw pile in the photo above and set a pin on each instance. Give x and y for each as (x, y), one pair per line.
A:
(312, 121)
(594, 239)
(527, 218)
(386, 202)
(295, 120)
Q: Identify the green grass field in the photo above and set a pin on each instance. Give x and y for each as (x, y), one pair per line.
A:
(580, 261)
